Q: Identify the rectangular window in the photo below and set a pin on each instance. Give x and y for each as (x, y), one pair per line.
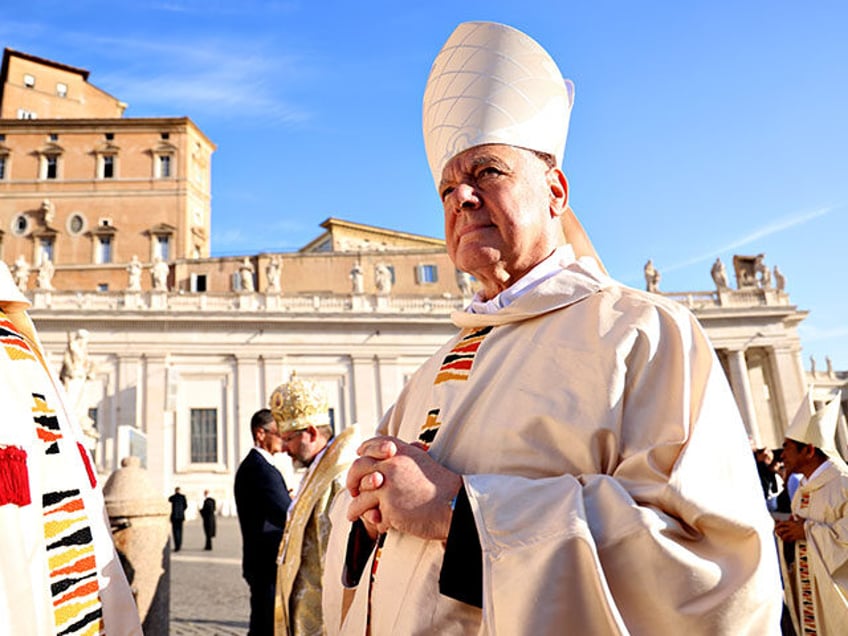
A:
(46, 247)
(61, 89)
(204, 436)
(29, 80)
(426, 274)
(2, 167)
(108, 166)
(163, 247)
(198, 282)
(52, 167)
(102, 287)
(104, 249)
(23, 113)
(164, 166)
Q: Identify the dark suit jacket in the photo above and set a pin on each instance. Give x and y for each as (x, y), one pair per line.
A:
(178, 506)
(262, 501)
(207, 512)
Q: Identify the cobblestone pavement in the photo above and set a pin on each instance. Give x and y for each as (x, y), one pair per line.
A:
(208, 594)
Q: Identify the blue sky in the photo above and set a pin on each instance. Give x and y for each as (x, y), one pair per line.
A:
(700, 129)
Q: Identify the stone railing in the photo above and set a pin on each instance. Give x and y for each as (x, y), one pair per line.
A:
(185, 302)
(726, 298)
(178, 302)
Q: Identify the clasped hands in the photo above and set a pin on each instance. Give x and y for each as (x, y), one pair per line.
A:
(791, 529)
(399, 486)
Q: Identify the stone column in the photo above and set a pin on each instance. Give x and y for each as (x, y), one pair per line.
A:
(741, 385)
(791, 379)
(155, 391)
(364, 392)
(390, 381)
(250, 397)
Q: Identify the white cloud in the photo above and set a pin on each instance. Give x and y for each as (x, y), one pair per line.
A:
(222, 76)
(780, 225)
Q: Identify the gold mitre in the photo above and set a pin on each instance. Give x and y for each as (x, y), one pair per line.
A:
(298, 404)
(492, 84)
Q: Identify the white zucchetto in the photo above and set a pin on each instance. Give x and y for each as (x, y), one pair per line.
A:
(493, 84)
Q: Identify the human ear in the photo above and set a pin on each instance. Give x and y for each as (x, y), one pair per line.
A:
(558, 191)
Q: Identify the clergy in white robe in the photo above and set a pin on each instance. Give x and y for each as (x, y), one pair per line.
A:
(59, 572)
(814, 541)
(572, 461)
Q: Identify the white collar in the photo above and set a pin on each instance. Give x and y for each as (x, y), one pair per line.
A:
(818, 471)
(265, 454)
(560, 258)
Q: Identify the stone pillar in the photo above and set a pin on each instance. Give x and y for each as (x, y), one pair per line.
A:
(251, 395)
(741, 385)
(139, 518)
(153, 405)
(364, 392)
(791, 379)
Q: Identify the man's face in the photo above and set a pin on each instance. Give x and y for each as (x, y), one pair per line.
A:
(502, 207)
(792, 457)
(270, 439)
(298, 446)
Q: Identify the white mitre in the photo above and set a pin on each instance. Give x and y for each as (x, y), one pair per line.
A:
(492, 84)
(818, 428)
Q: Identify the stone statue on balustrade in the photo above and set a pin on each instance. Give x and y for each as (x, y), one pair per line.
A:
(829, 364)
(383, 279)
(134, 274)
(779, 279)
(719, 274)
(272, 272)
(21, 273)
(159, 273)
(246, 272)
(762, 272)
(48, 211)
(812, 366)
(45, 274)
(356, 280)
(652, 277)
(463, 281)
(76, 371)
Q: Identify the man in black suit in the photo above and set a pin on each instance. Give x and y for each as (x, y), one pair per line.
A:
(207, 512)
(178, 508)
(262, 501)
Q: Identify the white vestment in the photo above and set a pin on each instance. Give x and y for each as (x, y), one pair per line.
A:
(59, 572)
(816, 579)
(607, 469)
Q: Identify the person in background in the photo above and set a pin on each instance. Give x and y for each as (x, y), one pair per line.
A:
(262, 500)
(814, 550)
(573, 459)
(178, 508)
(59, 571)
(207, 513)
(302, 413)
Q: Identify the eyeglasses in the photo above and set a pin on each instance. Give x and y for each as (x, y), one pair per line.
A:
(272, 431)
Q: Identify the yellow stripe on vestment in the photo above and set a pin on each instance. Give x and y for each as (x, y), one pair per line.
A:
(15, 353)
(40, 405)
(71, 554)
(53, 528)
(75, 610)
